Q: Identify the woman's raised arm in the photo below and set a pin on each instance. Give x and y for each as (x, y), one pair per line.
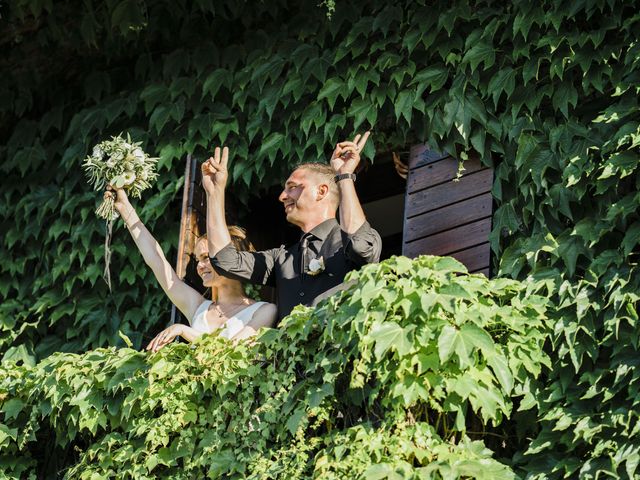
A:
(182, 295)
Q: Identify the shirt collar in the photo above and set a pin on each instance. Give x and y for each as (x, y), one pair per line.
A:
(322, 230)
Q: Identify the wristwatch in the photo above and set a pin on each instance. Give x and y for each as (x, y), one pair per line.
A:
(344, 176)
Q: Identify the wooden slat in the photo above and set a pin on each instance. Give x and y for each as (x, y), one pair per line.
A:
(449, 192)
(448, 217)
(422, 155)
(185, 239)
(474, 258)
(439, 172)
(451, 240)
(185, 220)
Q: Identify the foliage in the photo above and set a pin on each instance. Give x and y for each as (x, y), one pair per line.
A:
(546, 92)
(387, 379)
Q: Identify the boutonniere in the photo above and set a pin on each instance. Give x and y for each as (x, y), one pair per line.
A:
(316, 266)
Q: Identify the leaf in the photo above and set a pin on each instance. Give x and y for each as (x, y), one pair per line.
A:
(527, 147)
(620, 164)
(218, 78)
(362, 109)
(433, 77)
(463, 342)
(631, 238)
(447, 342)
(404, 104)
(480, 53)
(272, 144)
(501, 370)
(380, 471)
(125, 339)
(331, 89)
(564, 96)
(477, 338)
(12, 408)
(127, 15)
(390, 335)
(294, 420)
(503, 82)
(7, 434)
(159, 118)
(310, 116)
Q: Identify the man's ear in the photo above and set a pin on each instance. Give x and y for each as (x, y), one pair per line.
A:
(322, 191)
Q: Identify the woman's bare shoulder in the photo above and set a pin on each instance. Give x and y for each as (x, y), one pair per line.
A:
(265, 314)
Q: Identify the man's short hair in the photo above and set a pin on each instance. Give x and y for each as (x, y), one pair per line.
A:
(327, 174)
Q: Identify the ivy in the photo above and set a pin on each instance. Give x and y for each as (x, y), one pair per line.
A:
(546, 93)
(381, 385)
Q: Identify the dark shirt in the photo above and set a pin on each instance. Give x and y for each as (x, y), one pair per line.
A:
(283, 267)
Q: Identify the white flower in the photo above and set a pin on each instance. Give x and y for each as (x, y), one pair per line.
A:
(129, 178)
(97, 153)
(111, 162)
(316, 266)
(138, 154)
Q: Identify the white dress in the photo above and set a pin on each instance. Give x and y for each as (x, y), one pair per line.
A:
(231, 327)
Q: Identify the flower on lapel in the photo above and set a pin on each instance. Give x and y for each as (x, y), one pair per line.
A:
(316, 266)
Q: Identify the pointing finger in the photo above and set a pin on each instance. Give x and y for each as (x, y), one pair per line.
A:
(357, 137)
(216, 155)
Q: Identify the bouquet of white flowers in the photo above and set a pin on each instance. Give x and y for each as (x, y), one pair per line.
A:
(122, 164)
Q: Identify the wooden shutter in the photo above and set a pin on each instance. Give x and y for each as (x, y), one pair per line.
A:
(444, 216)
(193, 205)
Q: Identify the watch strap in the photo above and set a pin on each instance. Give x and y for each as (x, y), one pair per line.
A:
(344, 176)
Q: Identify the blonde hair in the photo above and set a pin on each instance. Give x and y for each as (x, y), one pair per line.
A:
(238, 238)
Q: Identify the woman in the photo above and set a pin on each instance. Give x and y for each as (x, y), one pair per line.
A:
(230, 310)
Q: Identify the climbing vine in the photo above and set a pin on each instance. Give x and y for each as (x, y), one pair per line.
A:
(396, 374)
(546, 92)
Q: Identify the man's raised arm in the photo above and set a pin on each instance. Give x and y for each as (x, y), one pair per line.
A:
(363, 244)
(344, 161)
(255, 267)
(214, 181)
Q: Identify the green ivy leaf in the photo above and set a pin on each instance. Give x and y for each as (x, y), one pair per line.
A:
(390, 335)
(330, 90)
(480, 53)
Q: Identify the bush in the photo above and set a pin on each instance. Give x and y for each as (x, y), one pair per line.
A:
(387, 379)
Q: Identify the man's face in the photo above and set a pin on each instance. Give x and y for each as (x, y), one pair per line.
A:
(298, 196)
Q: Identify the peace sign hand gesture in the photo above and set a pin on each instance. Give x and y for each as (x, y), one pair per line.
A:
(346, 156)
(214, 171)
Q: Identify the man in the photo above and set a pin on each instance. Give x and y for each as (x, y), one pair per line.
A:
(327, 251)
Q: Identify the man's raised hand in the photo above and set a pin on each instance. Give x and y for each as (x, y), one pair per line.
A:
(346, 156)
(214, 171)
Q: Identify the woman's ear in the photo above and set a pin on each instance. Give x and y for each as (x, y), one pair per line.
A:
(322, 191)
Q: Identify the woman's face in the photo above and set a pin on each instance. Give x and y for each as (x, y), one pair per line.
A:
(204, 268)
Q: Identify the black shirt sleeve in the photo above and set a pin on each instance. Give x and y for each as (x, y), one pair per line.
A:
(254, 267)
(363, 246)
